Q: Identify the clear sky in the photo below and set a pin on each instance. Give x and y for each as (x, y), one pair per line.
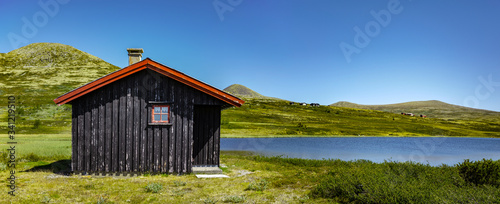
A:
(324, 51)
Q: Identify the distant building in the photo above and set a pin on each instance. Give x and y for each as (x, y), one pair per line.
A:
(292, 103)
(315, 104)
(303, 104)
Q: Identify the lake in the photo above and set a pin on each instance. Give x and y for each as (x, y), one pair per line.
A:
(427, 150)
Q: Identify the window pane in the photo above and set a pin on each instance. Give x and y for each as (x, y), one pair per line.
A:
(157, 109)
(164, 109)
(156, 118)
(164, 118)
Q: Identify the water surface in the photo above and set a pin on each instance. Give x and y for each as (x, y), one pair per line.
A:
(432, 150)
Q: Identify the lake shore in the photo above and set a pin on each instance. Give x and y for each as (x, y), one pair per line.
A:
(288, 136)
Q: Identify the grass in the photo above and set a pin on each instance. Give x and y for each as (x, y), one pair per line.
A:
(45, 146)
(38, 73)
(280, 180)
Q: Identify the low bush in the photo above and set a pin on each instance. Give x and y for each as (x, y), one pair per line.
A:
(485, 172)
(392, 182)
(154, 187)
(179, 183)
(258, 186)
(234, 199)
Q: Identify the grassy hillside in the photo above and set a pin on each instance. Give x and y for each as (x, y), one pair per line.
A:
(433, 109)
(40, 72)
(264, 117)
(242, 91)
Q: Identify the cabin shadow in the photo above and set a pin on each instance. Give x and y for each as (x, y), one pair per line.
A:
(61, 167)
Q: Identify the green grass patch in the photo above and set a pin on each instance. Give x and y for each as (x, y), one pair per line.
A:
(259, 179)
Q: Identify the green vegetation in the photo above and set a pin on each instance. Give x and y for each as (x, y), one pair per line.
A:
(256, 179)
(486, 172)
(433, 109)
(258, 186)
(154, 187)
(40, 72)
(242, 91)
(277, 118)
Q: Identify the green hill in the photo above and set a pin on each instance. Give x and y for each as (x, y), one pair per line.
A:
(38, 73)
(433, 108)
(244, 92)
(266, 117)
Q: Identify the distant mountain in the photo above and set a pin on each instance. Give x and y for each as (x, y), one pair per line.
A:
(36, 74)
(433, 108)
(42, 71)
(244, 92)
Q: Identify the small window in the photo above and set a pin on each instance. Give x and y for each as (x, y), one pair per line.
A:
(160, 114)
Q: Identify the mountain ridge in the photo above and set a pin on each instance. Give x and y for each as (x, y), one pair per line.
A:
(242, 91)
(431, 108)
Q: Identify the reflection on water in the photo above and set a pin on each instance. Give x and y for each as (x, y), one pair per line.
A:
(432, 150)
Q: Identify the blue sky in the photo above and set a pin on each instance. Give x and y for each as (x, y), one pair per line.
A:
(324, 51)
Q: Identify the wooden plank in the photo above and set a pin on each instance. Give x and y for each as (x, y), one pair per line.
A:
(157, 129)
(81, 136)
(74, 138)
(164, 147)
(102, 127)
(115, 129)
(195, 135)
(157, 149)
(92, 134)
(143, 113)
(122, 116)
(211, 141)
(173, 130)
(136, 120)
(164, 130)
(108, 129)
(190, 137)
(128, 129)
(87, 138)
(178, 127)
(217, 135)
(150, 148)
(144, 140)
(185, 131)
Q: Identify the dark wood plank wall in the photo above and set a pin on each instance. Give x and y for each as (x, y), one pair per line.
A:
(111, 131)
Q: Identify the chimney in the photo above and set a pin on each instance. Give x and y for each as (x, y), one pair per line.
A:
(134, 55)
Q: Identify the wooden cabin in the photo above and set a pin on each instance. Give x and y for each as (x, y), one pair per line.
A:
(146, 117)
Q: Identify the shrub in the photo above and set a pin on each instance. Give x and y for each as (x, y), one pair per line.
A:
(36, 124)
(4, 157)
(482, 172)
(210, 201)
(258, 186)
(234, 199)
(32, 157)
(154, 187)
(102, 200)
(179, 183)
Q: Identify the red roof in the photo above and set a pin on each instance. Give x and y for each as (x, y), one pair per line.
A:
(157, 67)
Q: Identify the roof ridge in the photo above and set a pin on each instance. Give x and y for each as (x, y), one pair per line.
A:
(145, 64)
